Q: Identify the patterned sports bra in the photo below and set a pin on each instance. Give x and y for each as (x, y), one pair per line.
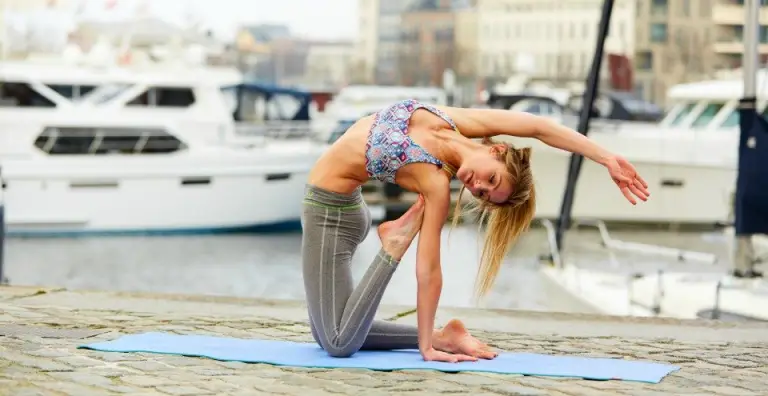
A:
(389, 147)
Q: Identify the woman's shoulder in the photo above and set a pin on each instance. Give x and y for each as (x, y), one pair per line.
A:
(432, 181)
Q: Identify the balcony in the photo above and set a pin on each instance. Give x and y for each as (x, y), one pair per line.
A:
(735, 47)
(734, 14)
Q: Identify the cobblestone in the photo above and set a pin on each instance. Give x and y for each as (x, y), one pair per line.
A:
(47, 362)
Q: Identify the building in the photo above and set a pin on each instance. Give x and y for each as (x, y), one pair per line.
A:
(330, 65)
(367, 40)
(548, 39)
(466, 43)
(688, 40)
(387, 25)
(427, 43)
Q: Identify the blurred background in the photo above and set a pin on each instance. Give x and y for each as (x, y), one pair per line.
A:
(163, 145)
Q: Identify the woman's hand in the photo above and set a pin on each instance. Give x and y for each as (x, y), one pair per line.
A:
(626, 178)
(433, 355)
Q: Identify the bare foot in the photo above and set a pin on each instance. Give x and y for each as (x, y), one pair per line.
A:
(396, 235)
(454, 338)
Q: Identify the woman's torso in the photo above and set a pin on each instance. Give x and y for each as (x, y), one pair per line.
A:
(382, 153)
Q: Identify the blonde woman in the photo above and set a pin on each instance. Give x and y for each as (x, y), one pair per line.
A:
(421, 147)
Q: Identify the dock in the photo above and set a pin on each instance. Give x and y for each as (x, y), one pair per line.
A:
(40, 329)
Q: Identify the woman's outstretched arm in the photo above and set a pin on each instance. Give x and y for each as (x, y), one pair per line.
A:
(482, 123)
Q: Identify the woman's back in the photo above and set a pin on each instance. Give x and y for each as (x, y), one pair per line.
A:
(342, 167)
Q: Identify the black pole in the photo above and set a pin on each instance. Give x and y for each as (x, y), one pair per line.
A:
(593, 81)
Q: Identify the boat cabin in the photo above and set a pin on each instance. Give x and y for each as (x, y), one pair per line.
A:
(711, 105)
(71, 110)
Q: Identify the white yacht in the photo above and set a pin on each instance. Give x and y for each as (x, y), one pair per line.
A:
(109, 149)
(689, 157)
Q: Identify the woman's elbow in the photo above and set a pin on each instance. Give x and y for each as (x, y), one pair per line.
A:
(428, 277)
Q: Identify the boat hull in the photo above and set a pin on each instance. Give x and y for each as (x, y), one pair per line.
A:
(176, 194)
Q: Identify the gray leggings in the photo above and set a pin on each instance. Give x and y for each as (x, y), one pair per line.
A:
(340, 314)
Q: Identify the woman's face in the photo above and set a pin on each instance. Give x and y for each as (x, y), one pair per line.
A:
(485, 176)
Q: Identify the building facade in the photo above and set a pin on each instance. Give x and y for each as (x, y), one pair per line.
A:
(387, 25)
(330, 64)
(548, 39)
(427, 41)
(688, 40)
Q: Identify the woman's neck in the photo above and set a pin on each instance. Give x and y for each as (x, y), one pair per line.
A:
(453, 148)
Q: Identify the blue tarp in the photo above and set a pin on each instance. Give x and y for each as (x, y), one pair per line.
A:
(752, 181)
(270, 90)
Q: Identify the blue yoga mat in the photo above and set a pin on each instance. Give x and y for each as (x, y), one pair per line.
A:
(284, 353)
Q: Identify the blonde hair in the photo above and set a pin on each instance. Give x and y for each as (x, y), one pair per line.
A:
(505, 221)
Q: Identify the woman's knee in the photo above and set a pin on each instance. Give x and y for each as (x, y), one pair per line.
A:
(338, 352)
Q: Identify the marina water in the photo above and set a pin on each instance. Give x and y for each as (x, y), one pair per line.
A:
(269, 265)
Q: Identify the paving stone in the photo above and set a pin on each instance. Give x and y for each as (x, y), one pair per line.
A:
(38, 356)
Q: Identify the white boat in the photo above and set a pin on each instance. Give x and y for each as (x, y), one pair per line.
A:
(690, 156)
(150, 149)
(648, 283)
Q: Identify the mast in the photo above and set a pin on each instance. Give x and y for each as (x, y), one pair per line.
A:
(593, 80)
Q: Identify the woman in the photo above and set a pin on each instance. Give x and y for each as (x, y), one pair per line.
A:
(421, 147)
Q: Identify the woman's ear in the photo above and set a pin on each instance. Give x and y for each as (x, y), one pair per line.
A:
(498, 149)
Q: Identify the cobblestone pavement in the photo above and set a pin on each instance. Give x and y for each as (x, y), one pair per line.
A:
(40, 330)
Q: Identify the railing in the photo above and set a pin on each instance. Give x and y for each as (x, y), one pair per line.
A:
(276, 130)
(614, 245)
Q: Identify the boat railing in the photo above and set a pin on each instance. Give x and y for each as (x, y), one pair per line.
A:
(275, 130)
(613, 246)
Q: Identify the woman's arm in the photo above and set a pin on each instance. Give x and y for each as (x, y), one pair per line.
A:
(429, 276)
(482, 123)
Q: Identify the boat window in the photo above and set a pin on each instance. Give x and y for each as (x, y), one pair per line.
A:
(732, 121)
(22, 95)
(533, 108)
(102, 141)
(105, 93)
(72, 92)
(707, 115)
(684, 112)
(164, 97)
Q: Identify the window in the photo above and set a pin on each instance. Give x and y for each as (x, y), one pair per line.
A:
(164, 97)
(103, 141)
(732, 121)
(444, 35)
(73, 92)
(645, 60)
(707, 115)
(22, 95)
(659, 7)
(679, 117)
(658, 32)
(686, 8)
